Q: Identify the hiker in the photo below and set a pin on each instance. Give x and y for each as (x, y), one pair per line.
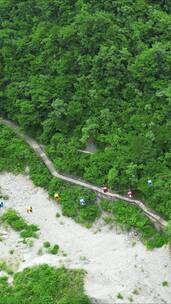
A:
(56, 196)
(1, 204)
(29, 209)
(82, 202)
(130, 194)
(105, 189)
(149, 183)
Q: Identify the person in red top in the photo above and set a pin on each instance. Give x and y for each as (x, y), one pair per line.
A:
(105, 189)
(130, 194)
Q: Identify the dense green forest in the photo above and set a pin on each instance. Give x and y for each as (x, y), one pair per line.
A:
(87, 70)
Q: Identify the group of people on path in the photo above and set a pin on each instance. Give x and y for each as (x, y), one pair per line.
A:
(105, 190)
(82, 200)
(129, 193)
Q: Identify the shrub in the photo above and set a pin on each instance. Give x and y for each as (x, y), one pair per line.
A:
(129, 216)
(16, 222)
(13, 220)
(30, 231)
(135, 291)
(168, 231)
(165, 283)
(4, 267)
(46, 244)
(120, 296)
(44, 284)
(53, 249)
(69, 201)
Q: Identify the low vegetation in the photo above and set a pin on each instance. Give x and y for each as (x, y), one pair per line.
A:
(44, 284)
(3, 196)
(128, 217)
(165, 284)
(4, 267)
(136, 292)
(16, 222)
(70, 201)
(168, 231)
(120, 296)
(46, 244)
(53, 249)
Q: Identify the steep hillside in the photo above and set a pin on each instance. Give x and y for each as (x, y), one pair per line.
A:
(99, 71)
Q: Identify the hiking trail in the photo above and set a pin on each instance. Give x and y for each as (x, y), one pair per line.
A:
(157, 220)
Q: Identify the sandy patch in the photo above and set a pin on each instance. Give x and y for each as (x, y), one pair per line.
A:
(113, 265)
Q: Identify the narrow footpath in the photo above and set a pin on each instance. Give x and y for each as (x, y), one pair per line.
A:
(157, 220)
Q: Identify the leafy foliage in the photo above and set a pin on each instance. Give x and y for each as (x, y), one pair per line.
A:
(129, 217)
(168, 231)
(70, 201)
(17, 223)
(44, 284)
(53, 249)
(4, 267)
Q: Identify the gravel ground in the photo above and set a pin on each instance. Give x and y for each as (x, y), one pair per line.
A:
(115, 262)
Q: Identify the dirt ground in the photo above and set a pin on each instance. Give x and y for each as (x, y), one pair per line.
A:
(115, 262)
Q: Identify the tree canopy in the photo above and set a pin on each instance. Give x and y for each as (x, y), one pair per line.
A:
(79, 70)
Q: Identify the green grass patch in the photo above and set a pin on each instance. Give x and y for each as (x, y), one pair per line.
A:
(4, 267)
(16, 222)
(46, 244)
(44, 284)
(53, 249)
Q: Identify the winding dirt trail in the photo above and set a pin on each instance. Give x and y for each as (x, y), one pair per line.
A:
(159, 222)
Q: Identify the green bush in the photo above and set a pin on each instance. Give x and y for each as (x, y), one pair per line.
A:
(53, 249)
(46, 244)
(168, 232)
(120, 296)
(30, 231)
(4, 267)
(129, 216)
(69, 200)
(16, 222)
(44, 284)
